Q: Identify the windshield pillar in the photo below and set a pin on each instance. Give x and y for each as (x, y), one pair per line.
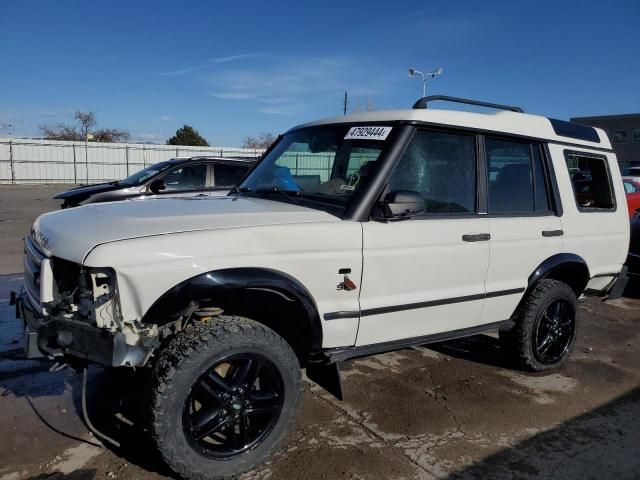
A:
(359, 210)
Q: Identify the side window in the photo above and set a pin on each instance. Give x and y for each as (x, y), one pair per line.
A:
(189, 177)
(591, 181)
(442, 167)
(517, 182)
(630, 187)
(620, 136)
(228, 175)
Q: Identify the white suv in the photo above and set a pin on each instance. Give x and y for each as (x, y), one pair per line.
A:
(353, 235)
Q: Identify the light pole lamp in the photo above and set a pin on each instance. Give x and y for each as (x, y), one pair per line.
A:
(432, 74)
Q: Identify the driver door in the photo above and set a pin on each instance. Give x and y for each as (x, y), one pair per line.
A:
(426, 274)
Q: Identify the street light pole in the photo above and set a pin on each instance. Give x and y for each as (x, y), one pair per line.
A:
(425, 76)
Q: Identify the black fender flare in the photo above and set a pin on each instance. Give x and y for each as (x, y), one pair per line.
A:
(220, 286)
(568, 267)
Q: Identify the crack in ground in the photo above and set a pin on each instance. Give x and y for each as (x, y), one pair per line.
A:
(372, 432)
(441, 400)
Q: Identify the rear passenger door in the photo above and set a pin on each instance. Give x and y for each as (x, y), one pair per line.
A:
(524, 228)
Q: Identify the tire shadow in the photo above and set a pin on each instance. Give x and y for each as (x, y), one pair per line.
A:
(88, 474)
(117, 405)
(483, 349)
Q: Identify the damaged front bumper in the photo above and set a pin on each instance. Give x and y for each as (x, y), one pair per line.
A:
(57, 337)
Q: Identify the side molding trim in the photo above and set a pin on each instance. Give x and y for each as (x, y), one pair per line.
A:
(412, 306)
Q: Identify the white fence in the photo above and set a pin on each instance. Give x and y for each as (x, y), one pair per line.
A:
(49, 161)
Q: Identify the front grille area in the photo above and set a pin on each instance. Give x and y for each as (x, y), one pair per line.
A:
(33, 258)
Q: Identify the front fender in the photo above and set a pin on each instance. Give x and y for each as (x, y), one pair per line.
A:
(226, 287)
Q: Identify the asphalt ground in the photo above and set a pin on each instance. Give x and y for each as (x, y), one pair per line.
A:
(452, 410)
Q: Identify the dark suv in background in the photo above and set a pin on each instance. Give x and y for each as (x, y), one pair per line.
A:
(178, 177)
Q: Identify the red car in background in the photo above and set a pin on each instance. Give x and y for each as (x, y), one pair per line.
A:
(632, 189)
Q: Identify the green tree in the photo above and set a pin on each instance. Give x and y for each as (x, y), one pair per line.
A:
(187, 135)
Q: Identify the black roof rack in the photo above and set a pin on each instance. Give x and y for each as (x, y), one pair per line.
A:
(422, 103)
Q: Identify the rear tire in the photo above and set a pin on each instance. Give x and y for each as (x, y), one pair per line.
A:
(224, 394)
(545, 328)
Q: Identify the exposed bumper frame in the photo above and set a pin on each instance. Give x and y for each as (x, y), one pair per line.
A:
(54, 336)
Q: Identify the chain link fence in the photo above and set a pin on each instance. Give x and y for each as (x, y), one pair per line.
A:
(24, 161)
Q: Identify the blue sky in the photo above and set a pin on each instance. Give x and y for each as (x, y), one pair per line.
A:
(233, 69)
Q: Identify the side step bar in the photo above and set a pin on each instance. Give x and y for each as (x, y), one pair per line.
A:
(324, 366)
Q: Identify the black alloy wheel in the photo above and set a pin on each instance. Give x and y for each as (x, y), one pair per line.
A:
(233, 406)
(554, 332)
(223, 394)
(545, 327)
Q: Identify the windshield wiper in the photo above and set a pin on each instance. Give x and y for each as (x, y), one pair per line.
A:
(285, 193)
(240, 190)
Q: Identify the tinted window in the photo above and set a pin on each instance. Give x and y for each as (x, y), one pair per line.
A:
(619, 136)
(592, 184)
(574, 130)
(540, 181)
(442, 167)
(228, 175)
(191, 177)
(517, 182)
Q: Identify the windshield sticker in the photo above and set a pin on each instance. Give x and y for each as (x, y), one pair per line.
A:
(368, 133)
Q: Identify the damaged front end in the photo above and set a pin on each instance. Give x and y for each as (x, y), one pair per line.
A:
(72, 311)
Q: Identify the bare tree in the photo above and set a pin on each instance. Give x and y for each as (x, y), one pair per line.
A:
(60, 131)
(87, 121)
(264, 140)
(110, 135)
(86, 125)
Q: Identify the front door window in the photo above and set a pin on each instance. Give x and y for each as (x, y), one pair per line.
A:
(188, 177)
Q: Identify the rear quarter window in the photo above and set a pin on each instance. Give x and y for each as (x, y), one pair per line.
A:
(591, 181)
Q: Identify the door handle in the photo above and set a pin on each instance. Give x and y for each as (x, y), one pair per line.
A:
(478, 237)
(552, 233)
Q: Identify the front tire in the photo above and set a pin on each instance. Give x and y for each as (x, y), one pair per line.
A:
(224, 393)
(545, 328)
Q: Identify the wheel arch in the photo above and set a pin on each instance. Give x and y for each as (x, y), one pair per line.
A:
(569, 268)
(268, 296)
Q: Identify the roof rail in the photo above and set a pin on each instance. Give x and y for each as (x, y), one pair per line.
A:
(422, 103)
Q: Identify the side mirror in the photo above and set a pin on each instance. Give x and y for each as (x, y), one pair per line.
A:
(403, 204)
(157, 186)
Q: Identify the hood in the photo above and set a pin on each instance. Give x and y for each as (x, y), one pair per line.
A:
(80, 193)
(72, 233)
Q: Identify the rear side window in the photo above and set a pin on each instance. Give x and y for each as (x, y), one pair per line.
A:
(630, 187)
(591, 181)
(441, 167)
(228, 175)
(517, 180)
